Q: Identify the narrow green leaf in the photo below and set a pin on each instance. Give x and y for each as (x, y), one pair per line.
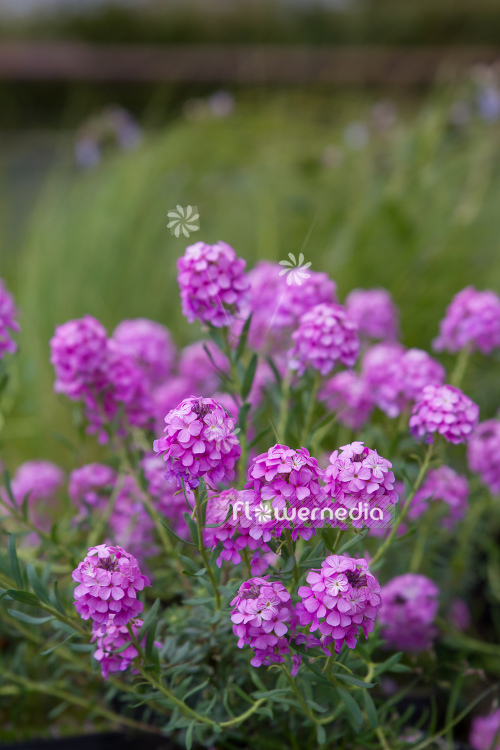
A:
(249, 377)
(357, 538)
(36, 584)
(195, 689)
(179, 539)
(27, 618)
(153, 612)
(387, 664)
(243, 338)
(55, 598)
(189, 735)
(370, 709)
(320, 734)
(8, 487)
(24, 597)
(14, 562)
(58, 645)
(192, 528)
(353, 681)
(350, 704)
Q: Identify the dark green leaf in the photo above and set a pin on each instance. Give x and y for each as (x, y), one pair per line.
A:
(179, 539)
(357, 538)
(192, 528)
(370, 709)
(387, 664)
(243, 338)
(6, 479)
(152, 614)
(350, 704)
(24, 597)
(320, 734)
(27, 618)
(249, 377)
(14, 562)
(55, 598)
(353, 680)
(189, 735)
(36, 584)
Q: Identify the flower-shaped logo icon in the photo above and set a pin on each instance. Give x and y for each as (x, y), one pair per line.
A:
(297, 272)
(184, 220)
(263, 512)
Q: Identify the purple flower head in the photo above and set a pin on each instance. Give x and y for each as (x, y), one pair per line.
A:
(90, 486)
(445, 485)
(361, 482)
(283, 491)
(149, 344)
(446, 410)
(472, 319)
(213, 284)
(396, 377)
(37, 480)
(483, 453)
(410, 605)
(261, 617)
(326, 336)
(111, 639)
(109, 579)
(348, 395)
(459, 614)
(374, 312)
(8, 321)
(277, 307)
(484, 730)
(79, 356)
(342, 597)
(199, 443)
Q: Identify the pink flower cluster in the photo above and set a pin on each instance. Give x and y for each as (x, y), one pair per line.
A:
(261, 616)
(472, 319)
(342, 597)
(326, 336)
(227, 522)
(483, 453)
(130, 525)
(280, 484)
(374, 313)
(111, 640)
(149, 344)
(445, 410)
(358, 478)
(410, 605)
(111, 374)
(109, 579)
(445, 485)
(199, 443)
(395, 377)
(484, 730)
(213, 285)
(277, 307)
(8, 321)
(37, 480)
(348, 394)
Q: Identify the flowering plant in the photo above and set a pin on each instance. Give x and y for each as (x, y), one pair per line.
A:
(255, 553)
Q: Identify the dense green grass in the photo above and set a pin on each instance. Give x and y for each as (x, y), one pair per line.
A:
(416, 210)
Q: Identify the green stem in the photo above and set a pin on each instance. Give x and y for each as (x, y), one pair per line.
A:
(381, 738)
(291, 552)
(310, 409)
(98, 531)
(298, 695)
(460, 366)
(406, 507)
(202, 549)
(284, 411)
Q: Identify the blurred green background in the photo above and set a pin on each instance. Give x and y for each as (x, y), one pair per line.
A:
(377, 187)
